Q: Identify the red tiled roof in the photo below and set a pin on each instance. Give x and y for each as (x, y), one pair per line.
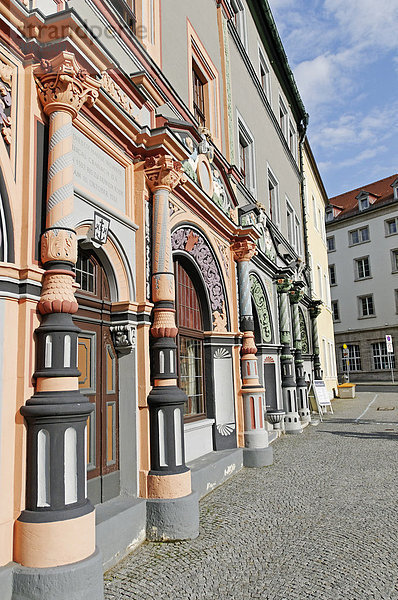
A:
(348, 201)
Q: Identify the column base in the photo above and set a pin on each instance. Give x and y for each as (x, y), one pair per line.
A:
(78, 581)
(305, 416)
(258, 457)
(6, 581)
(256, 439)
(172, 519)
(292, 423)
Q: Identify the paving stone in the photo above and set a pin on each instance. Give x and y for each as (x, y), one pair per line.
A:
(319, 524)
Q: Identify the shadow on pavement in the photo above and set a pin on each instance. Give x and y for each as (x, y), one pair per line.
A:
(376, 435)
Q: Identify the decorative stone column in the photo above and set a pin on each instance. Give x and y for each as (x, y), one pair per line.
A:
(57, 527)
(292, 419)
(257, 452)
(296, 295)
(315, 309)
(172, 507)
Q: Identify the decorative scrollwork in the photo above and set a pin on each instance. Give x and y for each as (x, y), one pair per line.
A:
(261, 304)
(63, 85)
(5, 101)
(196, 245)
(304, 336)
(123, 337)
(226, 428)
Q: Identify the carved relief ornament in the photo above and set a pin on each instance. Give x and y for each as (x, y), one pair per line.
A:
(284, 285)
(244, 250)
(119, 96)
(63, 85)
(123, 337)
(58, 294)
(59, 245)
(163, 172)
(5, 100)
(296, 295)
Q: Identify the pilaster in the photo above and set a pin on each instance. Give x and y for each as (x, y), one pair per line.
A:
(289, 392)
(315, 310)
(57, 527)
(169, 480)
(296, 295)
(257, 452)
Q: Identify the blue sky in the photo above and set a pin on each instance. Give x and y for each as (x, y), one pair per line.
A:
(344, 55)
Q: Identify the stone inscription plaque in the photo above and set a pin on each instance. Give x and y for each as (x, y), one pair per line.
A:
(97, 172)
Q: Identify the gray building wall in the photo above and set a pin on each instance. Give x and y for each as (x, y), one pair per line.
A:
(382, 284)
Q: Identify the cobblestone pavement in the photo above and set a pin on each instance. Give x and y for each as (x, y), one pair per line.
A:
(321, 523)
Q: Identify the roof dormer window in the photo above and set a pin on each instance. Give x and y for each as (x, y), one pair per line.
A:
(365, 199)
(329, 214)
(394, 186)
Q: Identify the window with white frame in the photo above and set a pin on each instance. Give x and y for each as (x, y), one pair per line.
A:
(246, 155)
(315, 213)
(363, 203)
(283, 117)
(325, 357)
(362, 267)
(332, 275)
(332, 360)
(321, 220)
(326, 288)
(358, 236)
(381, 358)
(391, 225)
(329, 214)
(335, 310)
(319, 274)
(366, 306)
(297, 235)
(273, 197)
(264, 75)
(330, 243)
(239, 19)
(394, 260)
(290, 223)
(292, 140)
(354, 358)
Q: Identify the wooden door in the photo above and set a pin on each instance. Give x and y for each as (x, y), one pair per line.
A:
(99, 379)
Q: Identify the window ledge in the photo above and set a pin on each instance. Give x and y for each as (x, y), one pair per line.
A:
(368, 317)
(363, 278)
(359, 243)
(199, 424)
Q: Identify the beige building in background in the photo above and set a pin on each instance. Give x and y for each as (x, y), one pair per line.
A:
(315, 200)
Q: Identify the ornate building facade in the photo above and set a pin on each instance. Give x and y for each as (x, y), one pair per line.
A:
(158, 326)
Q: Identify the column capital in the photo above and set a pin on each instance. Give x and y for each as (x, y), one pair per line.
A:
(163, 171)
(284, 285)
(296, 294)
(64, 86)
(244, 249)
(315, 308)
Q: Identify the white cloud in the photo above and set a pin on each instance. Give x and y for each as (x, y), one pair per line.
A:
(362, 156)
(366, 22)
(353, 129)
(345, 60)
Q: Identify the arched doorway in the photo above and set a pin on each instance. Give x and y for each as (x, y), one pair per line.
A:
(99, 379)
(190, 344)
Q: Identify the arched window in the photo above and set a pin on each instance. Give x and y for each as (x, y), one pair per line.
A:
(190, 344)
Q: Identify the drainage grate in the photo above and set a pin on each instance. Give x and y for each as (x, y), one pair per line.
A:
(386, 408)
